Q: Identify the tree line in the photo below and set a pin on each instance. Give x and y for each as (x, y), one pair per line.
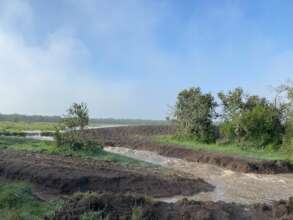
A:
(29, 118)
(237, 117)
(93, 121)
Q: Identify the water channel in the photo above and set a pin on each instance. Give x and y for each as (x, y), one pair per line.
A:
(245, 188)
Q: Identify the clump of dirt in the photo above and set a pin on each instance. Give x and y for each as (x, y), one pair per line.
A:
(120, 206)
(72, 174)
(139, 138)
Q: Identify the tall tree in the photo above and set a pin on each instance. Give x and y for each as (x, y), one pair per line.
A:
(194, 113)
(232, 103)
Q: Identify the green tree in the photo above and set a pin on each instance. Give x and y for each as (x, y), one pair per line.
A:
(262, 125)
(250, 120)
(232, 103)
(77, 116)
(194, 113)
(232, 106)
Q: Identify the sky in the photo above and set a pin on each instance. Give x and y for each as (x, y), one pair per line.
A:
(130, 58)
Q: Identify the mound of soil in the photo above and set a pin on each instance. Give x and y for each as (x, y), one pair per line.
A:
(71, 174)
(121, 206)
(139, 137)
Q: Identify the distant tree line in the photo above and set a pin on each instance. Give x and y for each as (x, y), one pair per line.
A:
(29, 118)
(93, 121)
(237, 117)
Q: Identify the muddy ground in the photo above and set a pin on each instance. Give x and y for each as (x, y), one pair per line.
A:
(118, 189)
(139, 138)
(120, 206)
(72, 174)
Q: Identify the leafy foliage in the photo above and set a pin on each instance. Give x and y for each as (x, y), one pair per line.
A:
(250, 120)
(194, 113)
(232, 102)
(77, 116)
(72, 141)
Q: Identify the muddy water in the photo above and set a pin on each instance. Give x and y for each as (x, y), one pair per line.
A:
(230, 186)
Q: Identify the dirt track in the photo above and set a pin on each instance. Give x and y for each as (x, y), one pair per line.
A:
(119, 206)
(69, 174)
(138, 137)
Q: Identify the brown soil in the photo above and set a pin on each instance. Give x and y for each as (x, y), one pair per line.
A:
(121, 206)
(139, 137)
(70, 174)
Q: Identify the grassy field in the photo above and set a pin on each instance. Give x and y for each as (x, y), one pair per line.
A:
(228, 149)
(49, 147)
(18, 202)
(9, 126)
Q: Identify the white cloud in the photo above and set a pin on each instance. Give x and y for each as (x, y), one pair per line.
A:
(113, 56)
(45, 78)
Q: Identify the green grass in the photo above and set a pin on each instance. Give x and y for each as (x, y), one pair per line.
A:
(49, 147)
(229, 149)
(17, 202)
(9, 126)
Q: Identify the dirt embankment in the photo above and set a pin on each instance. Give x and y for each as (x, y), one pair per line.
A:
(70, 174)
(139, 137)
(121, 206)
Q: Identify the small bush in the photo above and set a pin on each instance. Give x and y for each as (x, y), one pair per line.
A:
(288, 136)
(84, 145)
(73, 141)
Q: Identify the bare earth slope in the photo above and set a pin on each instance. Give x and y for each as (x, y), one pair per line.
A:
(119, 206)
(71, 174)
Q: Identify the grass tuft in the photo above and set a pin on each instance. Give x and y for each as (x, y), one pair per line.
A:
(18, 202)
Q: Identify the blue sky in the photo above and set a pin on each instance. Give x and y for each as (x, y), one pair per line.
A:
(130, 58)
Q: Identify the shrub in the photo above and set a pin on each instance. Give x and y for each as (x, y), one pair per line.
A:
(250, 120)
(80, 144)
(288, 136)
(262, 126)
(73, 141)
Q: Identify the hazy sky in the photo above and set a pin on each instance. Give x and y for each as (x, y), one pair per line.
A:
(129, 58)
